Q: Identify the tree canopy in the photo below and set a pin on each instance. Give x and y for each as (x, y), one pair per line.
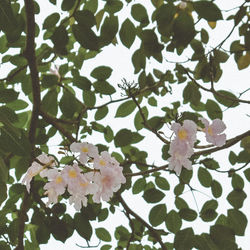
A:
(49, 97)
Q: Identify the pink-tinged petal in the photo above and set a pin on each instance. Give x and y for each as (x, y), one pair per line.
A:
(204, 121)
(218, 126)
(220, 140)
(175, 127)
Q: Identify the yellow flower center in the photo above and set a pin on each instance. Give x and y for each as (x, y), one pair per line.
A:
(72, 173)
(84, 184)
(182, 134)
(58, 179)
(210, 131)
(102, 162)
(85, 149)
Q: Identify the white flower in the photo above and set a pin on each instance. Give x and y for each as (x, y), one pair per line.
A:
(85, 149)
(36, 168)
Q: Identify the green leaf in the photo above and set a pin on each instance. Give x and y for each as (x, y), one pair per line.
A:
(101, 72)
(213, 110)
(8, 95)
(89, 98)
(103, 234)
(188, 214)
(208, 212)
(136, 137)
(207, 10)
(247, 174)
(113, 6)
(237, 221)
(58, 229)
(125, 109)
(153, 195)
(179, 189)
(109, 30)
(139, 13)
(156, 122)
(237, 182)
(127, 33)
(210, 163)
(232, 158)
(224, 100)
(204, 36)
(245, 143)
(3, 192)
(82, 226)
(184, 239)
(186, 175)
(173, 221)
(205, 177)
(101, 113)
(68, 104)
(162, 183)
(17, 105)
(108, 134)
(183, 29)
(223, 237)
(67, 5)
(150, 43)
(138, 60)
(236, 198)
(49, 102)
(86, 37)
(51, 21)
(60, 39)
(49, 81)
(139, 186)
(191, 94)
(82, 82)
(157, 215)
(91, 5)
(4, 173)
(138, 121)
(103, 214)
(123, 138)
(180, 203)
(85, 18)
(216, 189)
(103, 87)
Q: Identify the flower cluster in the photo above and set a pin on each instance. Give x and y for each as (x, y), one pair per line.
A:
(100, 180)
(181, 148)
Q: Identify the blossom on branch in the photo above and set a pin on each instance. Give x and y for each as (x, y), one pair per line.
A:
(85, 149)
(213, 131)
(40, 166)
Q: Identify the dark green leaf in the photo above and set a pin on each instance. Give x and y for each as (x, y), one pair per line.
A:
(8, 95)
(103, 87)
(67, 4)
(173, 221)
(51, 21)
(127, 33)
(85, 18)
(184, 239)
(108, 134)
(101, 73)
(101, 113)
(82, 226)
(208, 11)
(113, 6)
(205, 177)
(3, 192)
(139, 13)
(191, 94)
(162, 183)
(223, 237)
(89, 98)
(103, 234)
(153, 195)
(139, 186)
(4, 172)
(123, 138)
(188, 214)
(179, 189)
(86, 37)
(237, 182)
(216, 189)
(82, 82)
(223, 96)
(109, 30)
(186, 175)
(60, 39)
(208, 212)
(237, 221)
(232, 157)
(210, 163)
(236, 198)
(180, 203)
(247, 174)
(157, 215)
(49, 102)
(213, 110)
(138, 120)
(49, 81)
(125, 109)
(68, 104)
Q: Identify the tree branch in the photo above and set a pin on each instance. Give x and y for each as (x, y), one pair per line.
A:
(228, 144)
(143, 222)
